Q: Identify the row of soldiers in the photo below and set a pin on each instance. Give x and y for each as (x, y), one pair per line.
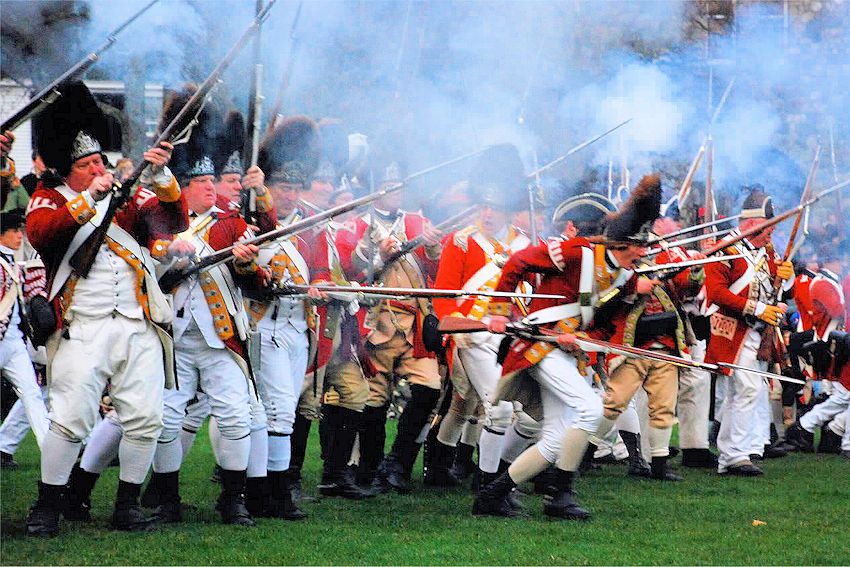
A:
(545, 342)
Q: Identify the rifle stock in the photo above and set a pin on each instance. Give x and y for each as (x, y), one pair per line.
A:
(83, 258)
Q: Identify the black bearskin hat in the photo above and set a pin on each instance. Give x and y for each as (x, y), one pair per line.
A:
(192, 157)
(498, 178)
(71, 128)
(290, 153)
(228, 155)
(632, 222)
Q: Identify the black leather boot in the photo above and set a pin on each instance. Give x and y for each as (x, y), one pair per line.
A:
(492, 499)
(373, 436)
(280, 497)
(340, 429)
(257, 496)
(830, 442)
(562, 503)
(699, 459)
(151, 497)
(231, 501)
(513, 497)
(128, 515)
(661, 470)
(798, 439)
(439, 471)
(43, 516)
(587, 463)
(396, 469)
(80, 486)
(300, 435)
(463, 465)
(170, 509)
(637, 464)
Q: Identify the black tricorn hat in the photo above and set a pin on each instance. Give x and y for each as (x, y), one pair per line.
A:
(498, 178)
(71, 128)
(290, 153)
(631, 223)
(758, 203)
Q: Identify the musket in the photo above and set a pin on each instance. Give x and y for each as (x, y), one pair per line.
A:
(53, 91)
(532, 188)
(685, 189)
(373, 246)
(710, 209)
(665, 245)
(411, 245)
(83, 258)
(288, 289)
(581, 146)
(685, 264)
(694, 228)
(294, 44)
(455, 325)
(248, 196)
(173, 277)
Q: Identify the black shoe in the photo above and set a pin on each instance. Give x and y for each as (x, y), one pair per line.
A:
(492, 499)
(756, 458)
(8, 462)
(830, 442)
(280, 498)
(169, 513)
(562, 503)
(128, 515)
(637, 464)
(342, 485)
(774, 451)
(699, 459)
(661, 470)
(80, 486)
(744, 468)
(798, 439)
(391, 476)
(43, 516)
(231, 501)
(296, 489)
(463, 465)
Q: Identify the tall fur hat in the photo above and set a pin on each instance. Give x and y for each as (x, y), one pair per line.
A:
(193, 157)
(631, 223)
(71, 128)
(498, 178)
(231, 144)
(290, 153)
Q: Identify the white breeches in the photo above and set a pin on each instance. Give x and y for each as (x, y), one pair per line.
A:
(694, 402)
(280, 374)
(216, 373)
(124, 353)
(823, 412)
(745, 415)
(568, 401)
(17, 367)
(480, 366)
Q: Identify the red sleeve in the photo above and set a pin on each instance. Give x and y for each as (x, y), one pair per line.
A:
(317, 258)
(718, 277)
(226, 232)
(537, 260)
(50, 226)
(450, 275)
(346, 244)
(160, 216)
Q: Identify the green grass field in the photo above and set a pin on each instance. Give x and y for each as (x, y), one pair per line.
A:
(804, 500)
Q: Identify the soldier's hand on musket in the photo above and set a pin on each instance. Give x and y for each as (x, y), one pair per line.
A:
(255, 179)
(245, 253)
(785, 270)
(387, 248)
(431, 235)
(314, 293)
(498, 324)
(771, 314)
(6, 141)
(100, 186)
(707, 243)
(646, 285)
(567, 341)
(159, 157)
(180, 248)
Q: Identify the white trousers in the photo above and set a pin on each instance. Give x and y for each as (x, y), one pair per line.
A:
(480, 366)
(568, 401)
(694, 402)
(124, 353)
(16, 366)
(840, 425)
(280, 374)
(745, 415)
(216, 373)
(17, 424)
(823, 412)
